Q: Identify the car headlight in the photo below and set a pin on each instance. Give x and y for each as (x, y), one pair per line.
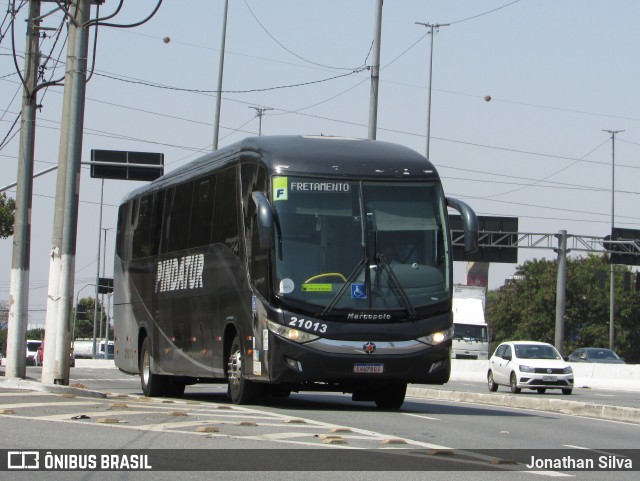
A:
(291, 334)
(524, 368)
(436, 338)
(567, 370)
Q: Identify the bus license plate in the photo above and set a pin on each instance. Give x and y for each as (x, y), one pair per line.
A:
(368, 368)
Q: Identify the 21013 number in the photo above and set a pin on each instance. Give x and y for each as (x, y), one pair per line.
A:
(308, 325)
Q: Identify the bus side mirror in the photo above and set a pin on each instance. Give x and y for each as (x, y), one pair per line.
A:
(265, 219)
(469, 223)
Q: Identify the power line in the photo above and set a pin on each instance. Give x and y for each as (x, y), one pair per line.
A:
(295, 54)
(265, 89)
(483, 14)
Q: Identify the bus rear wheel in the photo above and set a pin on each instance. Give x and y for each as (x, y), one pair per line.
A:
(152, 384)
(391, 397)
(241, 390)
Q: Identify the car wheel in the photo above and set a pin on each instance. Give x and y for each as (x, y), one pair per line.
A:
(514, 384)
(493, 387)
(541, 390)
(567, 392)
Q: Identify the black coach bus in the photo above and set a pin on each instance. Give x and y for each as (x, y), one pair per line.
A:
(283, 264)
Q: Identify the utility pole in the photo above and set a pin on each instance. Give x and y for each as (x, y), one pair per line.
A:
(216, 127)
(259, 113)
(561, 284)
(67, 196)
(375, 72)
(612, 297)
(434, 27)
(19, 295)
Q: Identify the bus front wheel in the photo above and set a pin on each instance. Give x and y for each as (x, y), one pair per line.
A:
(391, 397)
(241, 390)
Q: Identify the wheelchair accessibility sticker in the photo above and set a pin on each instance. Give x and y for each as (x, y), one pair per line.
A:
(358, 291)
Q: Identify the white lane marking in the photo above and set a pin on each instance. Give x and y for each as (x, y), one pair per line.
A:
(422, 416)
(25, 393)
(49, 404)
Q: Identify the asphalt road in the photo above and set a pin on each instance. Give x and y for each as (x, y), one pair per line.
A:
(330, 427)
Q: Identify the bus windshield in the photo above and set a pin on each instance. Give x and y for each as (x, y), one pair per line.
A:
(345, 245)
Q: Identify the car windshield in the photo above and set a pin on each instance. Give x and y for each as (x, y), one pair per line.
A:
(363, 245)
(536, 351)
(471, 332)
(602, 354)
(33, 345)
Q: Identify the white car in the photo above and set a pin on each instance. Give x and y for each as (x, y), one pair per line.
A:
(32, 351)
(529, 365)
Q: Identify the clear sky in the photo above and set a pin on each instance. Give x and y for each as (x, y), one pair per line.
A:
(558, 73)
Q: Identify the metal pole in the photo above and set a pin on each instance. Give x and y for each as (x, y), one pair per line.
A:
(612, 297)
(433, 27)
(72, 186)
(45, 171)
(104, 262)
(561, 290)
(375, 72)
(216, 127)
(106, 334)
(19, 291)
(95, 307)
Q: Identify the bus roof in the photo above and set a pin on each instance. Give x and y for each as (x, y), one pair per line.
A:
(316, 156)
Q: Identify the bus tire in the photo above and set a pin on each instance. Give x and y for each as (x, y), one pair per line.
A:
(391, 397)
(174, 388)
(240, 390)
(153, 385)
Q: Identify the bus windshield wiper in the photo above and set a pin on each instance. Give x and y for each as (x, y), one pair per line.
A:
(347, 283)
(396, 286)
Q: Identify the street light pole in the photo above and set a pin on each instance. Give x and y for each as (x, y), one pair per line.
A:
(612, 299)
(216, 127)
(104, 262)
(375, 72)
(434, 27)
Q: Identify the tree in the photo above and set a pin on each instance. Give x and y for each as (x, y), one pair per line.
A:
(84, 327)
(7, 212)
(525, 308)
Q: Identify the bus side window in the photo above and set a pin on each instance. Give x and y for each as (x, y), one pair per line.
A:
(225, 214)
(165, 214)
(254, 179)
(121, 229)
(180, 217)
(202, 211)
(142, 231)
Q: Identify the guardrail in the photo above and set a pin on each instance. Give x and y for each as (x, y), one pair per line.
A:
(593, 375)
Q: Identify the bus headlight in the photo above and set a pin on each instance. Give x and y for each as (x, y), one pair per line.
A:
(291, 334)
(436, 338)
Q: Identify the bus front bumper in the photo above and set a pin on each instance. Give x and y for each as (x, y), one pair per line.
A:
(354, 363)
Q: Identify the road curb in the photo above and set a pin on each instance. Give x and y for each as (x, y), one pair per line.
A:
(575, 408)
(28, 385)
